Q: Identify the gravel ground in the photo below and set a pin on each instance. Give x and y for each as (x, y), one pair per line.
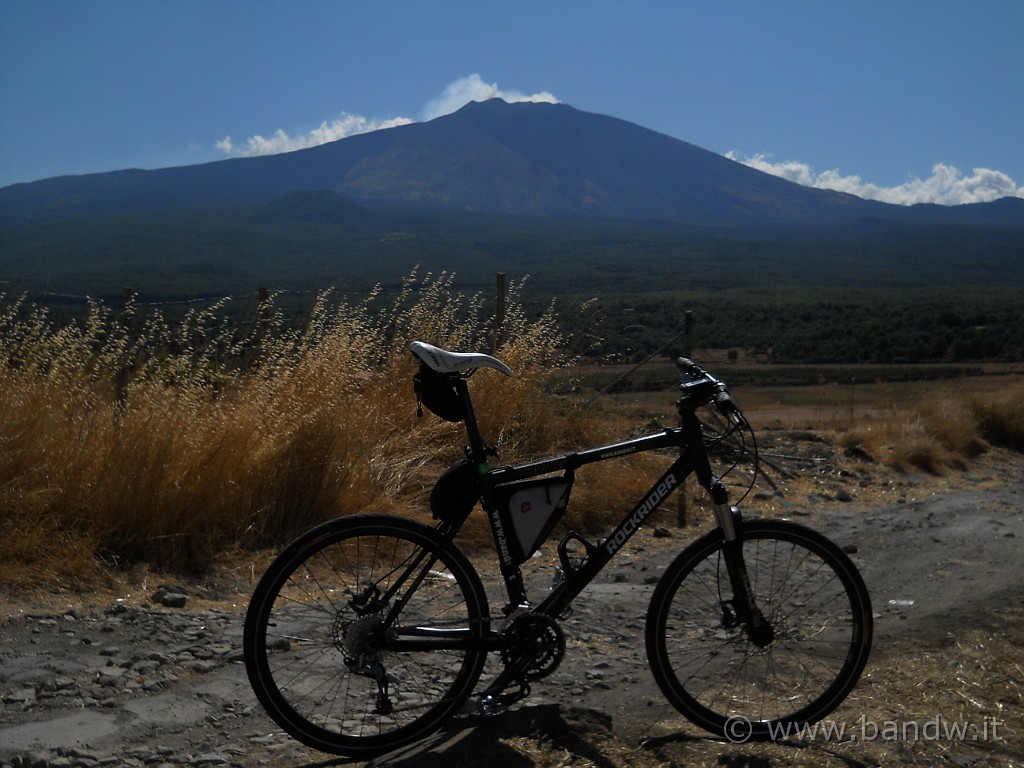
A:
(158, 680)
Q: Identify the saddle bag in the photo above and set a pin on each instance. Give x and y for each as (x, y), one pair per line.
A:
(438, 393)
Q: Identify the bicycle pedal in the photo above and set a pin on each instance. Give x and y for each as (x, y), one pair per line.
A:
(468, 707)
(497, 703)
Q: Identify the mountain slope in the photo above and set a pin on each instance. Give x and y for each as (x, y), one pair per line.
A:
(524, 159)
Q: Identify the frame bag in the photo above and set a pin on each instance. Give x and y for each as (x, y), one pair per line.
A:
(530, 509)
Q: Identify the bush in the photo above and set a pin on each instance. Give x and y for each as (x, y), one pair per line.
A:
(944, 430)
(1000, 416)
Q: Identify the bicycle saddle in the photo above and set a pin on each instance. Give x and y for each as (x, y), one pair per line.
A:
(443, 361)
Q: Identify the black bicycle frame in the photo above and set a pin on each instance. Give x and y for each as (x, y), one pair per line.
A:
(693, 459)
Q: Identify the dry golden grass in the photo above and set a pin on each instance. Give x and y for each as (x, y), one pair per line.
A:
(1000, 416)
(205, 456)
(178, 445)
(944, 430)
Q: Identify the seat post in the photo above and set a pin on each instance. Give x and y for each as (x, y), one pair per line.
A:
(477, 448)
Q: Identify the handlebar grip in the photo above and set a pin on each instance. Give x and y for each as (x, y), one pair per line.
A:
(689, 369)
(725, 404)
(728, 408)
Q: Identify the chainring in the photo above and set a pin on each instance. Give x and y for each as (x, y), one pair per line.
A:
(535, 640)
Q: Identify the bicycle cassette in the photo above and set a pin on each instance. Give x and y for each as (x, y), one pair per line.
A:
(536, 642)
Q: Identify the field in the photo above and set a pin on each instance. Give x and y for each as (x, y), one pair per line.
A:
(127, 438)
(136, 450)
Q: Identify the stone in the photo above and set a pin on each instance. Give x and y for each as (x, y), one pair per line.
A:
(164, 596)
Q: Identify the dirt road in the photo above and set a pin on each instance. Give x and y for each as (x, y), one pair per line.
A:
(134, 684)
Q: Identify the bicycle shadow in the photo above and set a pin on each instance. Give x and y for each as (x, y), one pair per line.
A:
(473, 741)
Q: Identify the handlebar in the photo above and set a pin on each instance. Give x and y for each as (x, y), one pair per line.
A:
(701, 388)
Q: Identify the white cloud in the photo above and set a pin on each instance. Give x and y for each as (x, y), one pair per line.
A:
(464, 90)
(946, 185)
(455, 95)
(347, 125)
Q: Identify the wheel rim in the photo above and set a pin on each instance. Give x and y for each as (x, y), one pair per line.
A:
(319, 641)
(722, 673)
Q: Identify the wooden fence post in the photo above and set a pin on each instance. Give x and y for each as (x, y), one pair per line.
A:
(688, 331)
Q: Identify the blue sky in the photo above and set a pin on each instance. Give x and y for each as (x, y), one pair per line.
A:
(904, 100)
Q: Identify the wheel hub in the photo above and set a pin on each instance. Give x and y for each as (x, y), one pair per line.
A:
(359, 638)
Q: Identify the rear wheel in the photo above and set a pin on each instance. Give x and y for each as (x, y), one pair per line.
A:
(365, 634)
(796, 668)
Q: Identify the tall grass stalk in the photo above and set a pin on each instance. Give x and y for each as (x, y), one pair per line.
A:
(220, 446)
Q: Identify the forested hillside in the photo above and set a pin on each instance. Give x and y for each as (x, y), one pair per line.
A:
(811, 326)
(868, 293)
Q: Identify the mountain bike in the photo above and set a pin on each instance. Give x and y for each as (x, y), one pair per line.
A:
(369, 631)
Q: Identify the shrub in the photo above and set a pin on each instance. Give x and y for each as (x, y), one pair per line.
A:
(1000, 416)
(944, 429)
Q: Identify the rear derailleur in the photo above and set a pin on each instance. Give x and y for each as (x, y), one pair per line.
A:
(360, 642)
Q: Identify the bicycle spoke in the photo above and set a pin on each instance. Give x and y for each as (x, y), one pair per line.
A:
(318, 633)
(712, 669)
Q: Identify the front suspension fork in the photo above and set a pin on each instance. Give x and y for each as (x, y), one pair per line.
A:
(742, 609)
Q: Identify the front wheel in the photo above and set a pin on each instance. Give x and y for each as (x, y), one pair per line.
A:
(793, 668)
(365, 634)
